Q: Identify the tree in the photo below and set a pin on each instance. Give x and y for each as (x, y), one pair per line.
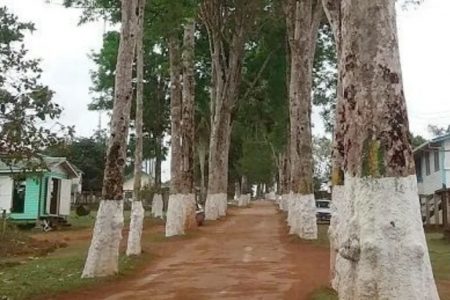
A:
(102, 259)
(88, 154)
(417, 140)
(227, 24)
(181, 209)
(303, 18)
(25, 104)
(383, 241)
(437, 131)
(137, 209)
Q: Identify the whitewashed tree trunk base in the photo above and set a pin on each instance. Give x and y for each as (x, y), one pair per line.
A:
(157, 206)
(136, 226)
(271, 196)
(176, 212)
(103, 255)
(213, 201)
(223, 206)
(386, 242)
(285, 202)
(303, 219)
(292, 210)
(244, 200)
(337, 214)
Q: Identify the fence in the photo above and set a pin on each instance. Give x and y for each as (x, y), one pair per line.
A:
(435, 208)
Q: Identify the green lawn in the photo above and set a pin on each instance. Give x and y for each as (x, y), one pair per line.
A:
(60, 271)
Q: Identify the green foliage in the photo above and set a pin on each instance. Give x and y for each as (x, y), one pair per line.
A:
(25, 103)
(322, 161)
(417, 140)
(437, 130)
(88, 154)
(325, 76)
(257, 162)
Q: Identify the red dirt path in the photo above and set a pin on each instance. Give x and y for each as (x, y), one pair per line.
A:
(247, 256)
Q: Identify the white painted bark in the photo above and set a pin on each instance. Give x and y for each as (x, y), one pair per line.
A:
(223, 206)
(175, 221)
(303, 219)
(338, 217)
(213, 202)
(157, 206)
(385, 245)
(285, 202)
(136, 226)
(244, 200)
(271, 196)
(103, 252)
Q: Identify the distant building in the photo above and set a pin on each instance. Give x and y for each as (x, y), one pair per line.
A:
(128, 185)
(433, 165)
(433, 179)
(42, 194)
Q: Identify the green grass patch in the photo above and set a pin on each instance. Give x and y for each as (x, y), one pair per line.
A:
(440, 255)
(324, 294)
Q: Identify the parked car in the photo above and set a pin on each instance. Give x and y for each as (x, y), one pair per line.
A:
(323, 210)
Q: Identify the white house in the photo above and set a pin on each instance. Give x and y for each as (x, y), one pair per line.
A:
(433, 165)
(128, 185)
(433, 178)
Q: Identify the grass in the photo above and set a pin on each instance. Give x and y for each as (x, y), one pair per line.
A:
(60, 271)
(324, 294)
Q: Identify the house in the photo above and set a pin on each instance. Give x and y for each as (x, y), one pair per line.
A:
(128, 185)
(44, 194)
(433, 165)
(432, 161)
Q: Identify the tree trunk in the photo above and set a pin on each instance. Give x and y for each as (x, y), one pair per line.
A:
(103, 255)
(181, 216)
(227, 52)
(137, 209)
(188, 122)
(383, 240)
(338, 203)
(201, 149)
(303, 19)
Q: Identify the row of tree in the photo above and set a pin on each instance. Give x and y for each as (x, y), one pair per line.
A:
(378, 244)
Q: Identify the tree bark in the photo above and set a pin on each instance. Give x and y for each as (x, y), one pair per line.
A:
(175, 111)
(226, 76)
(339, 202)
(102, 259)
(384, 239)
(137, 209)
(188, 124)
(302, 19)
(184, 136)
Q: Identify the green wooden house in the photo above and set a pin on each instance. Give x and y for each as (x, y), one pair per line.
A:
(41, 195)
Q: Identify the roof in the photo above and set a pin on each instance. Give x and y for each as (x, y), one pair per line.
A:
(49, 164)
(435, 140)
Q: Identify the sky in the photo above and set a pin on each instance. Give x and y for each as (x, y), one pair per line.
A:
(64, 47)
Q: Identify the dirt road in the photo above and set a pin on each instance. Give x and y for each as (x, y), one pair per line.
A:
(247, 256)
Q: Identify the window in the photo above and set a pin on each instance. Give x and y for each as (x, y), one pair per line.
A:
(427, 163)
(437, 162)
(419, 170)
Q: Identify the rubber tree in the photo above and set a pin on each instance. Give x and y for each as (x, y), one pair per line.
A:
(303, 18)
(181, 209)
(383, 239)
(227, 25)
(103, 254)
(137, 209)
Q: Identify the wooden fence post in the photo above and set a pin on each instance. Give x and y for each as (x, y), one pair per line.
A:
(427, 211)
(436, 210)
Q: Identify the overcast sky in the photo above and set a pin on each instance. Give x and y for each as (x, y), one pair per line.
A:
(64, 48)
